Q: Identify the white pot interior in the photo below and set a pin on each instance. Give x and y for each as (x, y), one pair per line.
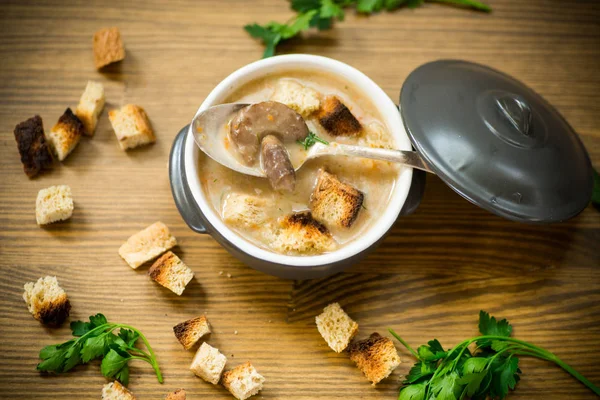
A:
(390, 117)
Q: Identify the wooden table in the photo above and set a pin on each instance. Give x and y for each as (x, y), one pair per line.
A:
(429, 278)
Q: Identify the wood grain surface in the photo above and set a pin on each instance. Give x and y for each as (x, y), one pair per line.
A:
(430, 277)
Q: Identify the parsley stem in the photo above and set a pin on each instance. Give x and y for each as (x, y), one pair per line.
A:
(576, 374)
(414, 353)
(152, 360)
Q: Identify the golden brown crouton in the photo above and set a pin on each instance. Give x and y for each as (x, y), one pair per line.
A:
(190, 331)
(376, 357)
(337, 119)
(336, 327)
(208, 363)
(53, 204)
(116, 391)
(301, 233)
(47, 301)
(108, 47)
(131, 126)
(296, 96)
(65, 135)
(246, 211)
(179, 394)
(243, 381)
(169, 271)
(147, 244)
(334, 203)
(90, 106)
(33, 147)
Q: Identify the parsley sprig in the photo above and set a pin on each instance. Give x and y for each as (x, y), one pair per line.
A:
(321, 14)
(96, 339)
(310, 140)
(490, 371)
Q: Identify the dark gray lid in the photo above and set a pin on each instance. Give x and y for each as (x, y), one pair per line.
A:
(496, 142)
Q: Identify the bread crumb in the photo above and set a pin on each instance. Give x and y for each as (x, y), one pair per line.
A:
(220, 272)
(229, 275)
(235, 332)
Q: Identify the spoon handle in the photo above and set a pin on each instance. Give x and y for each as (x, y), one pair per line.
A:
(408, 158)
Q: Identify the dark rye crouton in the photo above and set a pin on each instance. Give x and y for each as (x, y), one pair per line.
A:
(65, 135)
(189, 332)
(337, 119)
(334, 203)
(33, 147)
(301, 233)
(375, 356)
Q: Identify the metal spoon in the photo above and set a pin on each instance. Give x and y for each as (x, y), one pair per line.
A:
(208, 123)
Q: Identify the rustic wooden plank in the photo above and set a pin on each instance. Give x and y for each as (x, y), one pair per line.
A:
(429, 278)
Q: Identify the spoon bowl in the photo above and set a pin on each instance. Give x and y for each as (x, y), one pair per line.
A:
(207, 125)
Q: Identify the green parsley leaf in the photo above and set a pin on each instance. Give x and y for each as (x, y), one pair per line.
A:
(490, 327)
(95, 339)
(413, 392)
(310, 140)
(419, 371)
(505, 376)
(477, 5)
(369, 6)
(474, 371)
(269, 38)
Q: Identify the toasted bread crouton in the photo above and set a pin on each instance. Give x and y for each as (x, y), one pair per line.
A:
(208, 363)
(116, 391)
(108, 47)
(46, 301)
(90, 106)
(189, 332)
(300, 233)
(296, 96)
(53, 204)
(336, 327)
(375, 135)
(65, 135)
(334, 203)
(376, 357)
(131, 126)
(243, 381)
(169, 271)
(337, 119)
(33, 148)
(246, 211)
(147, 244)
(179, 394)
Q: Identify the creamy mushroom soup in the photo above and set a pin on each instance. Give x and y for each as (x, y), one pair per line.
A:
(261, 214)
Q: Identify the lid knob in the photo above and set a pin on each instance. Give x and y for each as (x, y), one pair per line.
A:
(517, 112)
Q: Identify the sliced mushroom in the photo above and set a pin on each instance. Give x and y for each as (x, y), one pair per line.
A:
(277, 165)
(258, 120)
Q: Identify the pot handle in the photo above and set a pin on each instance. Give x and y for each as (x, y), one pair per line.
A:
(415, 193)
(189, 210)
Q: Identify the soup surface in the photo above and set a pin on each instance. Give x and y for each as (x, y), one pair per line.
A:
(375, 179)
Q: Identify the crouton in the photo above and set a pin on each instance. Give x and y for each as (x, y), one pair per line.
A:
(116, 391)
(65, 135)
(243, 381)
(300, 233)
(337, 119)
(189, 332)
(296, 96)
(376, 357)
(147, 244)
(179, 394)
(208, 363)
(336, 327)
(47, 301)
(33, 148)
(53, 204)
(169, 271)
(131, 126)
(108, 47)
(375, 135)
(246, 211)
(334, 203)
(90, 106)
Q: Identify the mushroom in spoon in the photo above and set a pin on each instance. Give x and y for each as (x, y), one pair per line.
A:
(207, 125)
